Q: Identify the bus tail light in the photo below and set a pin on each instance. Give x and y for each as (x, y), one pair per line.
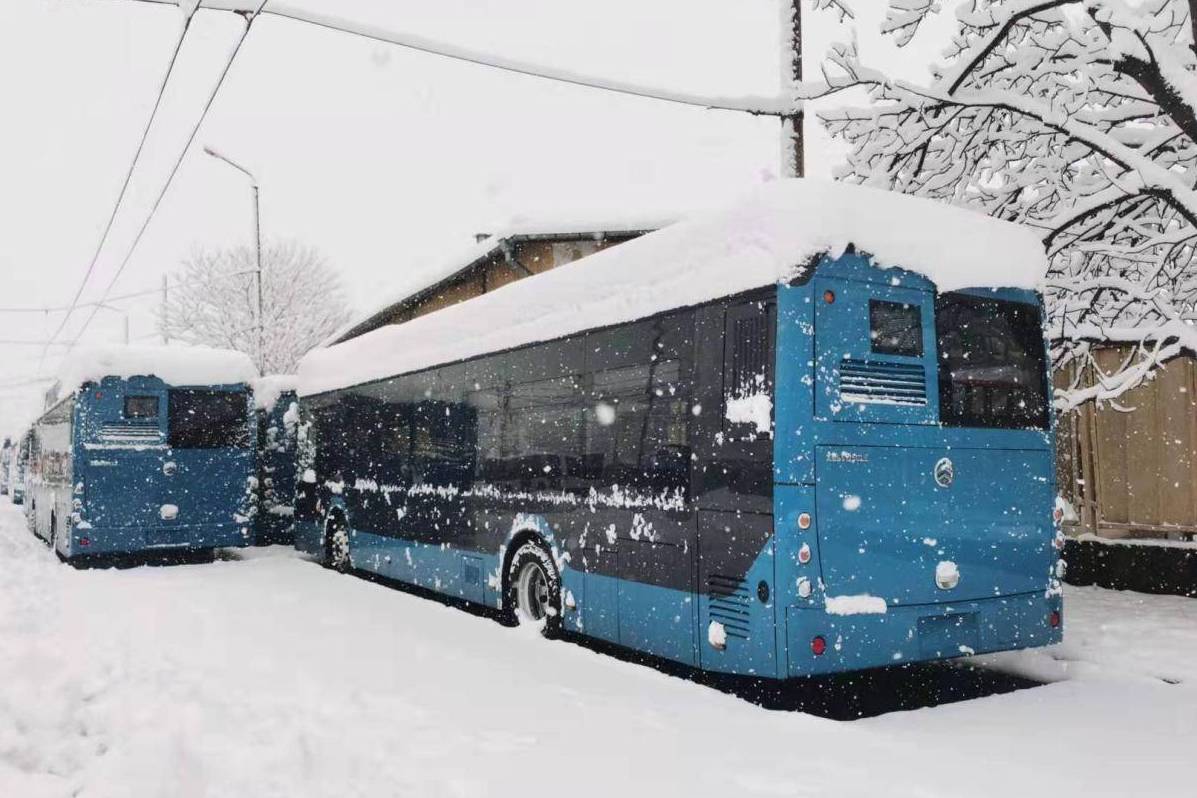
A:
(84, 541)
(818, 645)
(804, 521)
(804, 554)
(1054, 619)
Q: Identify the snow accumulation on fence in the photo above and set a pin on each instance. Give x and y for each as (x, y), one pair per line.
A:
(268, 389)
(174, 365)
(766, 237)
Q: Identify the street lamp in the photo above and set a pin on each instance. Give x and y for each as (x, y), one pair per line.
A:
(253, 181)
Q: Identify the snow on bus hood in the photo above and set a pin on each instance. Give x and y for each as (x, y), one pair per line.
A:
(174, 365)
(765, 238)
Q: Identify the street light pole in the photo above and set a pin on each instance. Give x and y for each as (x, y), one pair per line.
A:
(253, 181)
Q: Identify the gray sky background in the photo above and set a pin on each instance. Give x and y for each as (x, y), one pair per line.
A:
(382, 158)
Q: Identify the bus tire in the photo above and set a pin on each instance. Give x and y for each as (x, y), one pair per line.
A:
(336, 544)
(533, 587)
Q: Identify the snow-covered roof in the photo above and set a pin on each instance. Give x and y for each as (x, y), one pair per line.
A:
(764, 238)
(571, 226)
(174, 365)
(269, 388)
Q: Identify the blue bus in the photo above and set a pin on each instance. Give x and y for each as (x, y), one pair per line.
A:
(17, 469)
(729, 444)
(145, 450)
(278, 421)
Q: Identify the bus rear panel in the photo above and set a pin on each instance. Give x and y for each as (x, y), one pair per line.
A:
(152, 468)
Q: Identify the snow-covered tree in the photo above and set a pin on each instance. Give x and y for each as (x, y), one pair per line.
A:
(1077, 117)
(213, 300)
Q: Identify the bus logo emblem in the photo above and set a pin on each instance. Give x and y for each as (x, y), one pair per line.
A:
(944, 473)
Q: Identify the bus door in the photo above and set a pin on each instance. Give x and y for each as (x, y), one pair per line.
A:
(736, 569)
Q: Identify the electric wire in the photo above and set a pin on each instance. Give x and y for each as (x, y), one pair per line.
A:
(145, 134)
(249, 20)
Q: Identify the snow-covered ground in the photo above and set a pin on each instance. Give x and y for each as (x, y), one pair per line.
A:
(271, 676)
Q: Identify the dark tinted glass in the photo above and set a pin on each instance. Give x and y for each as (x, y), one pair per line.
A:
(895, 328)
(992, 370)
(141, 407)
(208, 420)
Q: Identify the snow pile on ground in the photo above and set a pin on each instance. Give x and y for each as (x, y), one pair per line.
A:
(274, 677)
(767, 237)
(174, 365)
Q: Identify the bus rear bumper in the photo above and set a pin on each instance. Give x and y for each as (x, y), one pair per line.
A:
(919, 633)
(132, 540)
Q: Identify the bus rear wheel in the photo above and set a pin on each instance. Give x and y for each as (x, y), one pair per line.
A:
(534, 588)
(336, 554)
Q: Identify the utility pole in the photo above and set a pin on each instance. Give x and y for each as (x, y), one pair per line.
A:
(258, 267)
(793, 159)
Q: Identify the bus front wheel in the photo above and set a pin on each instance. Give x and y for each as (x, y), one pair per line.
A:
(534, 587)
(336, 555)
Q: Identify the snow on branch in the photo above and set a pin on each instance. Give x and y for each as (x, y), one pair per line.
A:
(213, 301)
(903, 18)
(1077, 118)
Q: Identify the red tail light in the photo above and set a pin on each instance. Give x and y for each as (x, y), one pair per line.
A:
(818, 645)
(1054, 619)
(84, 541)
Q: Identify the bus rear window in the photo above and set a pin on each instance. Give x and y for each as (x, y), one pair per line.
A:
(208, 420)
(895, 328)
(992, 364)
(142, 407)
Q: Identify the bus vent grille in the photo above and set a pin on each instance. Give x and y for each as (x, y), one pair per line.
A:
(729, 602)
(873, 382)
(472, 574)
(129, 434)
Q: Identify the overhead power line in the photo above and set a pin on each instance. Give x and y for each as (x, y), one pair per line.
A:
(118, 297)
(249, 17)
(145, 134)
(765, 105)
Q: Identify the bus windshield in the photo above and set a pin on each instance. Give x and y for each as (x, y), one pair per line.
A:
(208, 419)
(992, 369)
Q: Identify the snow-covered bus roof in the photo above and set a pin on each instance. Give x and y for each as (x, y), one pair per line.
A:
(765, 238)
(174, 365)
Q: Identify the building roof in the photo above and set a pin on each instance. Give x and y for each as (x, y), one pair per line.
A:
(430, 277)
(765, 238)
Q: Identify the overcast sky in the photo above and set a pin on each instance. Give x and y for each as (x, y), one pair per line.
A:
(382, 158)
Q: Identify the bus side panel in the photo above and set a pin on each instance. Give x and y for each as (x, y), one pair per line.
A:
(737, 579)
